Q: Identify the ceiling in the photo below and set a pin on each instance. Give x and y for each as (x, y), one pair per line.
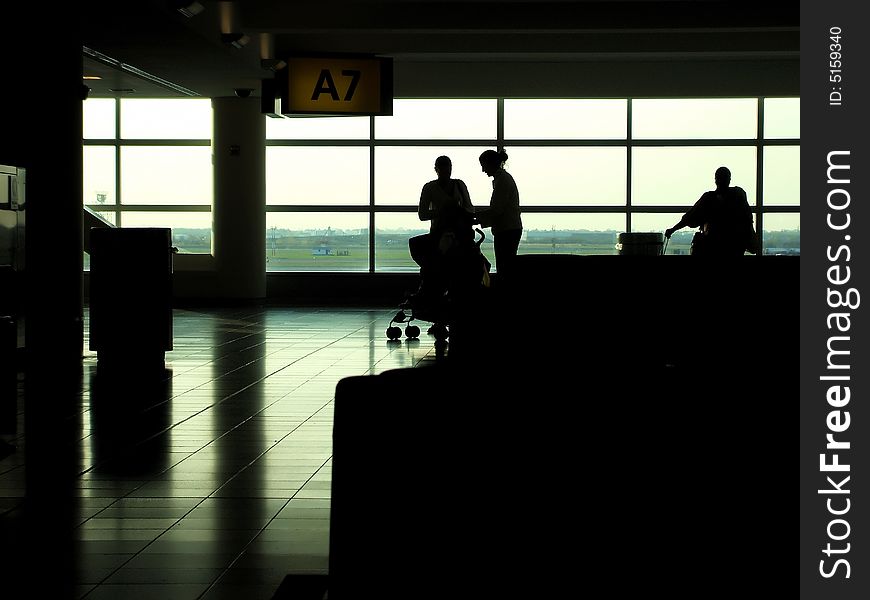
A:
(148, 46)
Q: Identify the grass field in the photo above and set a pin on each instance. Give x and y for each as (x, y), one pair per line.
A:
(392, 253)
(393, 258)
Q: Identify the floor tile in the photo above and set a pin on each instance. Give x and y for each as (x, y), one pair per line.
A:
(210, 479)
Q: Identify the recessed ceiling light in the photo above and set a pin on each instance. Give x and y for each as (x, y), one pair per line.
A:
(237, 40)
(187, 8)
(91, 77)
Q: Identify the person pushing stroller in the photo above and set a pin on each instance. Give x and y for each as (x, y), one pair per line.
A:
(446, 203)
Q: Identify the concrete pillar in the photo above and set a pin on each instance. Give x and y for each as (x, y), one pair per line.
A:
(42, 132)
(239, 210)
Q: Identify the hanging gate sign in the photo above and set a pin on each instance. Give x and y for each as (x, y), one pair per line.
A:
(336, 85)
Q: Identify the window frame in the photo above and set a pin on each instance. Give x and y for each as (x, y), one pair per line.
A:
(626, 210)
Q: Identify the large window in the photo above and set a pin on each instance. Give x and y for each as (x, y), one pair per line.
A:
(317, 241)
(147, 163)
(439, 120)
(565, 119)
(401, 171)
(568, 176)
(694, 119)
(678, 175)
(342, 192)
(587, 170)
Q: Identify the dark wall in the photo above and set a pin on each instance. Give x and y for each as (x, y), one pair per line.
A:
(591, 78)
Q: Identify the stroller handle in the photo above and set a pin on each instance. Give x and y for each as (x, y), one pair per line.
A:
(482, 236)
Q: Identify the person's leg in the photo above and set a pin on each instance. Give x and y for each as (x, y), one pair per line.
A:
(513, 244)
(506, 244)
(498, 248)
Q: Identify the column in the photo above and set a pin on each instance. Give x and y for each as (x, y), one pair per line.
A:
(239, 210)
(42, 132)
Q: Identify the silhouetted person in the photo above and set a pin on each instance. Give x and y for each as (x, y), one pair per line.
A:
(444, 202)
(503, 214)
(441, 198)
(724, 218)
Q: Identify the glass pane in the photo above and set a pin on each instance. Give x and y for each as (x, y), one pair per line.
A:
(170, 119)
(317, 241)
(782, 233)
(559, 233)
(392, 231)
(318, 128)
(568, 176)
(680, 175)
(439, 120)
(782, 118)
(565, 119)
(782, 175)
(401, 172)
(166, 175)
(191, 231)
(317, 175)
(98, 119)
(98, 175)
(680, 242)
(734, 118)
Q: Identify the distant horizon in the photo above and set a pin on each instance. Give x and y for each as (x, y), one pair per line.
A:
(355, 231)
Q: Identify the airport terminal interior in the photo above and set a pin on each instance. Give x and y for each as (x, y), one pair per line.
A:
(210, 386)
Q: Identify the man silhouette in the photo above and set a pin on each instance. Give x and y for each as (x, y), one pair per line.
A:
(724, 218)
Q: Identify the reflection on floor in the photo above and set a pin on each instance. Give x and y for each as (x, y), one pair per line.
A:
(210, 482)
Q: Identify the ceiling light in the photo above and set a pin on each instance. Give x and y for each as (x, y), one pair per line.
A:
(273, 64)
(187, 8)
(237, 40)
(267, 53)
(91, 77)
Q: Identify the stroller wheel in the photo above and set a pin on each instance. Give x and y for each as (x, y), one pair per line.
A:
(394, 333)
(412, 331)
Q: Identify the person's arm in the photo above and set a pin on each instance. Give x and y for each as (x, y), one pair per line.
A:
(424, 210)
(744, 203)
(497, 203)
(465, 196)
(752, 243)
(690, 219)
(680, 224)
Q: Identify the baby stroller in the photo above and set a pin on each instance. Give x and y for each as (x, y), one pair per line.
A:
(453, 271)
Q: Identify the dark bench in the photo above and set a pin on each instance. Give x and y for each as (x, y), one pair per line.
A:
(578, 447)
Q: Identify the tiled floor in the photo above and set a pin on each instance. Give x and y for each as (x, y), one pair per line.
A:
(212, 481)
